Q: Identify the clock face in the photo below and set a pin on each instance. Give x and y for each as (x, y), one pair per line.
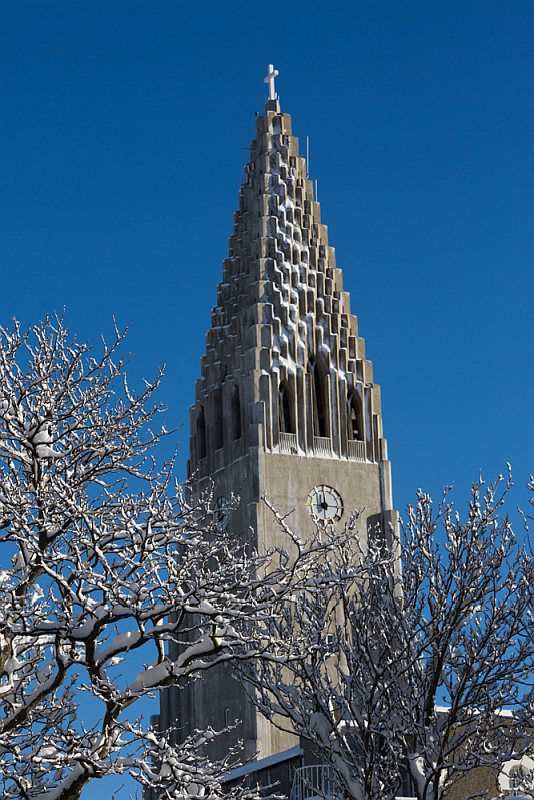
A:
(324, 504)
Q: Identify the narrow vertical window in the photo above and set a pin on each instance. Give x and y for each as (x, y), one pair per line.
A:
(236, 414)
(285, 420)
(201, 434)
(354, 417)
(318, 400)
(217, 419)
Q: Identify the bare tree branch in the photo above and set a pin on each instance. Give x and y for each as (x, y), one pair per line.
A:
(422, 665)
(105, 562)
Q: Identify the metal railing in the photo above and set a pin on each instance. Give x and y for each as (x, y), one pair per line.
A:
(288, 442)
(313, 782)
(317, 782)
(322, 445)
(356, 449)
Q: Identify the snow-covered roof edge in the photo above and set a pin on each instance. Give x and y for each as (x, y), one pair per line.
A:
(263, 763)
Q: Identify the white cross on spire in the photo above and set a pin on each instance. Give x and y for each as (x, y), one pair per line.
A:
(269, 78)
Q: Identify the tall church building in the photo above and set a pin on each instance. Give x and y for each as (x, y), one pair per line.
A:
(286, 406)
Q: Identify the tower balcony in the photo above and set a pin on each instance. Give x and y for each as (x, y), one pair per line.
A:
(356, 450)
(322, 447)
(288, 443)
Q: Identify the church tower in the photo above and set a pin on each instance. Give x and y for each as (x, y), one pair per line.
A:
(286, 406)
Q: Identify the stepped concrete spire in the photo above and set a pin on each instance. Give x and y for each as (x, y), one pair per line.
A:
(285, 407)
(281, 315)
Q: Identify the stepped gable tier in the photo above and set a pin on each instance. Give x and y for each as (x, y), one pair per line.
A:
(281, 317)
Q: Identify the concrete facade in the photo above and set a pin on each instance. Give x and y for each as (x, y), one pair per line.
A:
(286, 399)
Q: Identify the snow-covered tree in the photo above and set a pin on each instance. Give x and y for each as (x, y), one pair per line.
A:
(420, 652)
(104, 561)
(468, 603)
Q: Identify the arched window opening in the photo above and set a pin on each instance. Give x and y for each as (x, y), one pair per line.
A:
(354, 418)
(201, 434)
(318, 400)
(285, 420)
(217, 419)
(236, 414)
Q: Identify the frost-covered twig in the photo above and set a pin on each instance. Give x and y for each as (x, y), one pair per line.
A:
(104, 565)
(419, 666)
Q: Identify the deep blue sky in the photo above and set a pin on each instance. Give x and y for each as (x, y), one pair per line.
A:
(125, 131)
